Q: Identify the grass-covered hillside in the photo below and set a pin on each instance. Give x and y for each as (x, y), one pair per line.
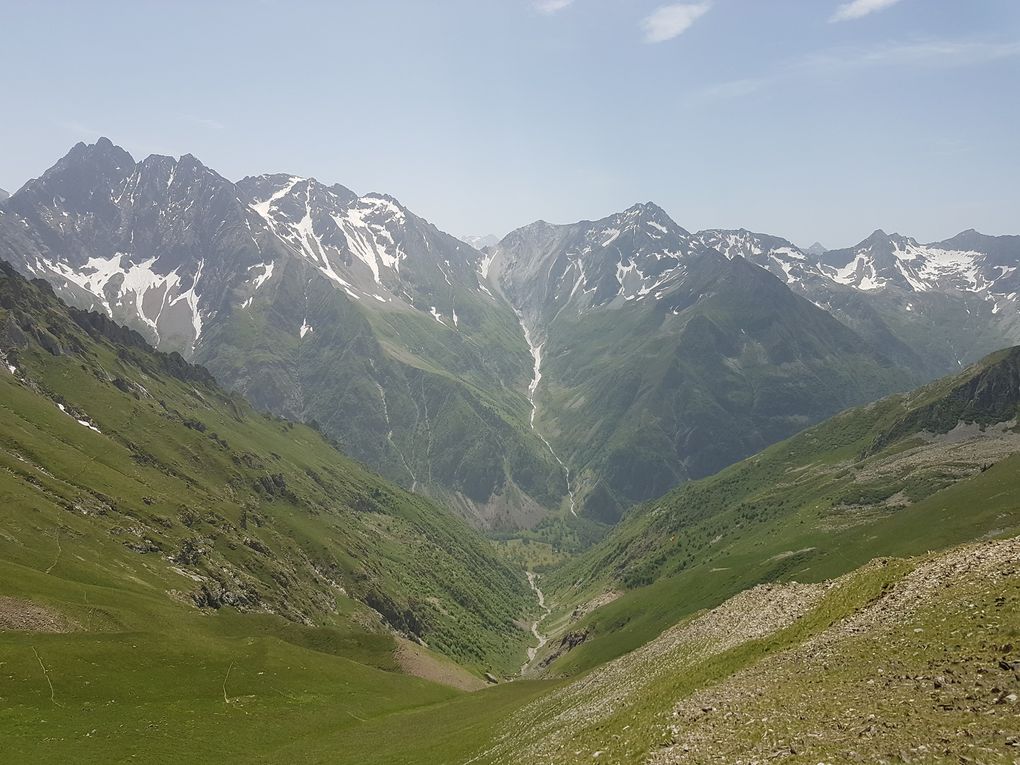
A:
(643, 396)
(437, 410)
(901, 660)
(910, 473)
(183, 577)
(135, 492)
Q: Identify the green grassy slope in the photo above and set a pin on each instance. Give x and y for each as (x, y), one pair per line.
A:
(642, 397)
(183, 577)
(894, 478)
(183, 490)
(909, 660)
(434, 409)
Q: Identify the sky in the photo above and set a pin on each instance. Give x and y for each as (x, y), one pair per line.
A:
(810, 119)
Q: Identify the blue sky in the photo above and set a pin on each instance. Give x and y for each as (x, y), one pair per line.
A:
(811, 119)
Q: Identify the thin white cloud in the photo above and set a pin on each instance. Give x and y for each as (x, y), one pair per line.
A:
(935, 53)
(551, 6)
(941, 54)
(670, 21)
(860, 8)
(204, 122)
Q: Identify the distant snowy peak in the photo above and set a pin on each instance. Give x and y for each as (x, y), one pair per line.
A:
(3, 195)
(645, 224)
(481, 242)
(775, 254)
(133, 239)
(969, 262)
(638, 254)
(643, 253)
(371, 247)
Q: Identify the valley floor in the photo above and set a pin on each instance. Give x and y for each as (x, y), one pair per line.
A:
(903, 660)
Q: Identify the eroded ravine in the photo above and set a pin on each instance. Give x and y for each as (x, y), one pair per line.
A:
(536, 354)
(541, 639)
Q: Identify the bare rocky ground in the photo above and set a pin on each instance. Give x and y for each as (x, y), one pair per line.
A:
(928, 671)
(958, 454)
(17, 615)
(415, 660)
(543, 731)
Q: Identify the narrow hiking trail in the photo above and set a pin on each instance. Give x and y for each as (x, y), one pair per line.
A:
(536, 354)
(542, 639)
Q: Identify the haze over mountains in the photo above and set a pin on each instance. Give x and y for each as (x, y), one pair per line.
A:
(167, 546)
(481, 242)
(567, 369)
(523, 382)
(608, 399)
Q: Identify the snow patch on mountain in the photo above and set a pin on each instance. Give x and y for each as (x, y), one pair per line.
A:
(641, 254)
(265, 276)
(116, 281)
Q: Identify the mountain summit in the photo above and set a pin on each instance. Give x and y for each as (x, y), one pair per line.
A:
(315, 302)
(665, 355)
(581, 367)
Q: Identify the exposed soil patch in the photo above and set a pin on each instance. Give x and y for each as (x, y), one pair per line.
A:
(17, 615)
(416, 661)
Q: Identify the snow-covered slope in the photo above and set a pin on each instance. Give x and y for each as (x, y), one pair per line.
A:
(315, 302)
(969, 262)
(371, 247)
(161, 245)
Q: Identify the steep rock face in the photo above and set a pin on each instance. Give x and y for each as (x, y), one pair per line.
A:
(936, 307)
(587, 366)
(665, 357)
(316, 303)
(160, 245)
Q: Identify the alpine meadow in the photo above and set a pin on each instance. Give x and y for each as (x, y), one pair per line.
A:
(313, 449)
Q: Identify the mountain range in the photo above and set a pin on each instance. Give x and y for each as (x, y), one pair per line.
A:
(668, 355)
(565, 371)
(174, 562)
(315, 303)
(182, 488)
